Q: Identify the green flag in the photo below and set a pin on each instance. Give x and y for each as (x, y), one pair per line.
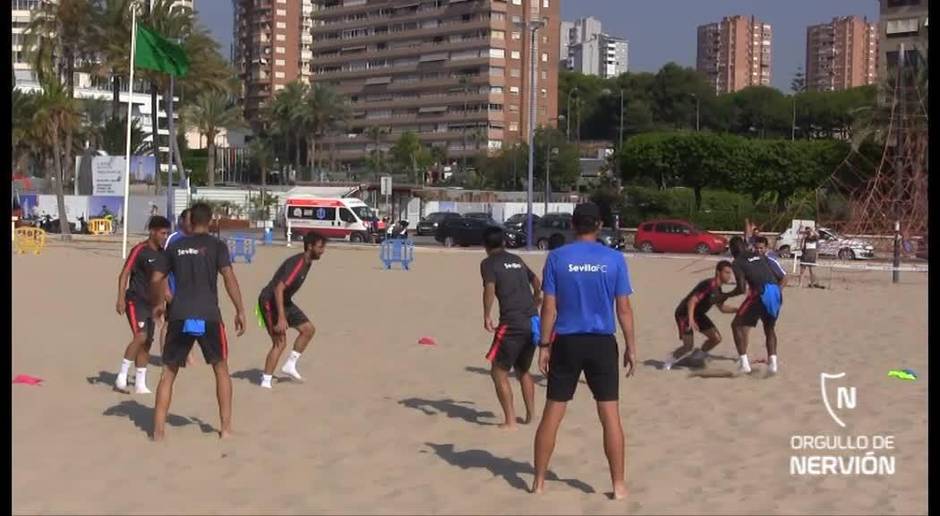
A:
(154, 52)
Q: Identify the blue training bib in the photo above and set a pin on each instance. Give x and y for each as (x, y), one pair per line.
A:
(196, 327)
(772, 299)
(536, 329)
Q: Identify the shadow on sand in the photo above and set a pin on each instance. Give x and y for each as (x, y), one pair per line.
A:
(510, 470)
(253, 376)
(142, 417)
(450, 408)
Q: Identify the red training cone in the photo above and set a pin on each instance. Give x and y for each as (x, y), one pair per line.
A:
(27, 379)
(427, 341)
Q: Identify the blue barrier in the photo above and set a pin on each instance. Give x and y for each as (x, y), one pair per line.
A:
(397, 250)
(268, 236)
(241, 245)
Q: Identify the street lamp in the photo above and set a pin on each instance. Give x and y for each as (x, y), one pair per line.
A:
(694, 96)
(568, 113)
(533, 26)
(553, 151)
(619, 143)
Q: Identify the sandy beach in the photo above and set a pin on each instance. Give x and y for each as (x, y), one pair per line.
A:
(384, 425)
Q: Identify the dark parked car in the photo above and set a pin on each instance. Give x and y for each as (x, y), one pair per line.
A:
(466, 231)
(556, 228)
(518, 223)
(677, 236)
(430, 223)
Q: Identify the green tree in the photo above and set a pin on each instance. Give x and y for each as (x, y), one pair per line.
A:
(210, 112)
(286, 112)
(409, 156)
(56, 115)
(565, 162)
(322, 112)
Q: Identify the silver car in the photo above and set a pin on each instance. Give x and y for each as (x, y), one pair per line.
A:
(830, 243)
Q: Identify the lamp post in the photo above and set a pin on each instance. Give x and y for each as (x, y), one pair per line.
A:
(694, 96)
(552, 151)
(568, 114)
(793, 123)
(533, 26)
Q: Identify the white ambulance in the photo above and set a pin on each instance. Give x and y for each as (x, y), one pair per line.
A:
(346, 218)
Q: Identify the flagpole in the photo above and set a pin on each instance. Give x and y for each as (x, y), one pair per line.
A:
(127, 143)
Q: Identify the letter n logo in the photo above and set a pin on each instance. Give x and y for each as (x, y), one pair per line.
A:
(846, 397)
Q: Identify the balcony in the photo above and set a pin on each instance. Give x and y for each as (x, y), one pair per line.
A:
(405, 69)
(416, 50)
(329, 23)
(337, 43)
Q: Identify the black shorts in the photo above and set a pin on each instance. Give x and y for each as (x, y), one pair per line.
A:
(753, 310)
(594, 354)
(295, 316)
(808, 256)
(702, 320)
(140, 317)
(214, 344)
(512, 348)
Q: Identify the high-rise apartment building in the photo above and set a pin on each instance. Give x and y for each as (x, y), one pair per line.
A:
(273, 45)
(566, 27)
(603, 55)
(902, 22)
(841, 54)
(735, 53)
(455, 72)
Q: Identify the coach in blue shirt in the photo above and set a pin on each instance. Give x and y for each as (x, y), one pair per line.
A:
(582, 282)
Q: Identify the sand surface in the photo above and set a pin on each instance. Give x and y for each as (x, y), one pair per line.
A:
(384, 425)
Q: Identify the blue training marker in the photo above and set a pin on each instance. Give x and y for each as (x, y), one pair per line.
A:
(536, 329)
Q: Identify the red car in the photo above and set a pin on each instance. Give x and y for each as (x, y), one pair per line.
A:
(677, 236)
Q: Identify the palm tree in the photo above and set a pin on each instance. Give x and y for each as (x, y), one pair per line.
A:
(57, 41)
(24, 138)
(262, 154)
(111, 38)
(324, 112)
(287, 113)
(56, 114)
(375, 133)
(210, 112)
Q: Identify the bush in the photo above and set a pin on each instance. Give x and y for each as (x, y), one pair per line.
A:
(721, 210)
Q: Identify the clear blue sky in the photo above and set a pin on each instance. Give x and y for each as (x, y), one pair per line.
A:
(660, 31)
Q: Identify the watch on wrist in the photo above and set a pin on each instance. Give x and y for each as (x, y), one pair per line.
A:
(545, 344)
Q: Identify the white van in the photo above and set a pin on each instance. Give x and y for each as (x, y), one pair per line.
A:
(346, 218)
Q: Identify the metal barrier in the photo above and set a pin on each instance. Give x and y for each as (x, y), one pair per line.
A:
(397, 251)
(240, 245)
(100, 227)
(29, 240)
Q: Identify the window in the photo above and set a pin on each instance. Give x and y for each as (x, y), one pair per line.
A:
(280, 50)
(499, 34)
(280, 25)
(347, 216)
(545, 4)
(513, 108)
(280, 37)
(514, 126)
(497, 71)
(544, 93)
(514, 90)
(647, 227)
(497, 53)
(496, 90)
(515, 55)
(901, 27)
(280, 62)
(282, 12)
(516, 2)
(278, 75)
(515, 72)
(516, 36)
(321, 213)
(544, 57)
(544, 75)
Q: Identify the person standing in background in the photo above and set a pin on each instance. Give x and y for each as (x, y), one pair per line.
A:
(582, 282)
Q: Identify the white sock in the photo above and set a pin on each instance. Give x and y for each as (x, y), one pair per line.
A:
(266, 380)
(772, 362)
(292, 359)
(125, 367)
(141, 379)
(745, 364)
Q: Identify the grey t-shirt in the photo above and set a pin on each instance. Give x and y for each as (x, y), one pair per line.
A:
(512, 279)
(196, 261)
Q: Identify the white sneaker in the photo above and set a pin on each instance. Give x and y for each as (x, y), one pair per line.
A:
(142, 389)
(667, 365)
(743, 369)
(265, 385)
(772, 368)
(291, 371)
(121, 383)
